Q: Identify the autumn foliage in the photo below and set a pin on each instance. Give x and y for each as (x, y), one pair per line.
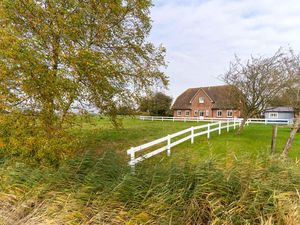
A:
(60, 57)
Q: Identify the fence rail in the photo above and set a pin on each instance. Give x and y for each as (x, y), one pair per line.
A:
(203, 119)
(216, 124)
(192, 132)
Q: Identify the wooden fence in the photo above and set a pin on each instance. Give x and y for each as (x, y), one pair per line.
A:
(192, 132)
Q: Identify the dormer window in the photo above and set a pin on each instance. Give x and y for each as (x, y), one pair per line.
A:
(201, 100)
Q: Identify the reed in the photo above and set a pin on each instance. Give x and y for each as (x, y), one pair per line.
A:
(101, 190)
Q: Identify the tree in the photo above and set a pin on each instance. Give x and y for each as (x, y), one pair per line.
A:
(58, 55)
(292, 98)
(258, 81)
(157, 104)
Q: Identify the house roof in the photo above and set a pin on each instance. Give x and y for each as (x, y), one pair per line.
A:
(280, 109)
(183, 101)
(219, 95)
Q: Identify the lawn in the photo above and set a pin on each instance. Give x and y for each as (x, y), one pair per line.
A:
(193, 186)
(256, 138)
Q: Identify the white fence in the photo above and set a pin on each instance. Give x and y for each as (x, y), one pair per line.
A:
(192, 132)
(270, 121)
(199, 119)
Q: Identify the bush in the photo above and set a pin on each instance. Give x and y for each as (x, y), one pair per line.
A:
(21, 136)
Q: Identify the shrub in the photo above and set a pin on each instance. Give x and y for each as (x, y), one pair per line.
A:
(22, 136)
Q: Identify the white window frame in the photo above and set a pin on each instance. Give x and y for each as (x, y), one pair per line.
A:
(195, 112)
(178, 112)
(187, 113)
(201, 112)
(230, 111)
(273, 115)
(207, 113)
(201, 100)
(219, 111)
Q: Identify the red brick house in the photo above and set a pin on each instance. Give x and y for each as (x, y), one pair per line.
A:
(206, 102)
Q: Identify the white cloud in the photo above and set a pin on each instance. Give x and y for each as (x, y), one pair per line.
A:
(202, 37)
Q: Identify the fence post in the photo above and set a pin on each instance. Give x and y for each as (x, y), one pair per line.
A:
(132, 158)
(192, 135)
(173, 118)
(184, 119)
(208, 131)
(162, 119)
(274, 137)
(227, 125)
(234, 123)
(152, 118)
(220, 122)
(265, 120)
(169, 146)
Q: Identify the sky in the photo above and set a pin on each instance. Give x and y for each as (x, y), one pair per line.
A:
(202, 36)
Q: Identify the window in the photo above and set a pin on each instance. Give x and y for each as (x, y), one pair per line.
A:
(219, 113)
(229, 113)
(273, 115)
(178, 113)
(201, 100)
(195, 113)
(187, 113)
(201, 113)
(206, 113)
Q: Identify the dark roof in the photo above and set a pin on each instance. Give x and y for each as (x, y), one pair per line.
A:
(280, 109)
(183, 101)
(219, 95)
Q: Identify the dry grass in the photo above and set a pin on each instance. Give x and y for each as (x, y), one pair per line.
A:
(95, 191)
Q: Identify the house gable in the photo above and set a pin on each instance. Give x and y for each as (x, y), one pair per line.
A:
(201, 91)
(201, 108)
(207, 102)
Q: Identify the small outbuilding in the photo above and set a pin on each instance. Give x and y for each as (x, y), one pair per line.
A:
(281, 112)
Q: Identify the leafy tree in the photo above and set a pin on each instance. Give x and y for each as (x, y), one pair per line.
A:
(157, 104)
(260, 80)
(57, 55)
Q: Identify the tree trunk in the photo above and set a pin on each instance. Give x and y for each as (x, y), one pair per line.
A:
(239, 131)
(274, 137)
(290, 139)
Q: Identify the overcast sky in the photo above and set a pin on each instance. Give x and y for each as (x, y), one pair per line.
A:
(202, 36)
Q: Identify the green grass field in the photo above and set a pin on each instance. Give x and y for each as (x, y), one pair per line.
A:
(255, 139)
(228, 179)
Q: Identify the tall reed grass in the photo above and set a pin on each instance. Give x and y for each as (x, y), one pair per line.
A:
(101, 190)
